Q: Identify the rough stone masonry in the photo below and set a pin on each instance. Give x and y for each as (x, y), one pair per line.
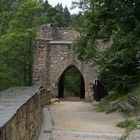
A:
(53, 53)
(21, 113)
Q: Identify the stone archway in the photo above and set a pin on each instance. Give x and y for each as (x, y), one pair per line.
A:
(53, 54)
(73, 71)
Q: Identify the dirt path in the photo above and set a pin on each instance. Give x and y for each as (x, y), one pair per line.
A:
(79, 121)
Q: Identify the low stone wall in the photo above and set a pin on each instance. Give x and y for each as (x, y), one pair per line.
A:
(27, 121)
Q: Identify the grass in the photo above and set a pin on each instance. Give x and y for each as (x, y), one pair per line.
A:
(129, 124)
(88, 100)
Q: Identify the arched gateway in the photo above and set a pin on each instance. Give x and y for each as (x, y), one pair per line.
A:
(53, 55)
(71, 70)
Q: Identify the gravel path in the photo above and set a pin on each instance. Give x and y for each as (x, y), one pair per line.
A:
(79, 121)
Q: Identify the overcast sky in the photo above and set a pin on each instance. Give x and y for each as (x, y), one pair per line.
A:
(64, 3)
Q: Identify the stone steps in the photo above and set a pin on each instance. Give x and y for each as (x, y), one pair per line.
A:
(49, 132)
(62, 135)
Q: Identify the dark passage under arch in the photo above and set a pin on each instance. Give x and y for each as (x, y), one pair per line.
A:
(62, 83)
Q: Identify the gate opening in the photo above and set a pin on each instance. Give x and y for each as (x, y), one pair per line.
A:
(71, 83)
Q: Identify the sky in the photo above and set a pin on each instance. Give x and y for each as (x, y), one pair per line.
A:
(67, 3)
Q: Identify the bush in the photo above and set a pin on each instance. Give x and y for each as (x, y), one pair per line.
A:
(130, 124)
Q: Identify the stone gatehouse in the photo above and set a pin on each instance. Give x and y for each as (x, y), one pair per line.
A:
(53, 54)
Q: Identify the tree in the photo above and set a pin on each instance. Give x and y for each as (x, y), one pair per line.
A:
(66, 16)
(77, 20)
(5, 15)
(59, 8)
(56, 16)
(46, 6)
(18, 22)
(16, 44)
(118, 19)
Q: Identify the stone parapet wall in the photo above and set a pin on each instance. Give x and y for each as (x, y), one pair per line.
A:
(27, 121)
(56, 33)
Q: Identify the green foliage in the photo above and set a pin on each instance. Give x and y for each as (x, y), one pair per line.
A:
(118, 66)
(18, 22)
(136, 92)
(130, 124)
(63, 15)
(46, 6)
(116, 96)
(16, 44)
(56, 16)
(72, 84)
(66, 17)
(5, 15)
(103, 106)
(119, 22)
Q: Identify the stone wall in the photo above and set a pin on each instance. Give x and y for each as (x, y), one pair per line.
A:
(27, 121)
(56, 33)
(41, 55)
(51, 60)
(53, 54)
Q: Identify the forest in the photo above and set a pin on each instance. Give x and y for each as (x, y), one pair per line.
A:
(117, 22)
(107, 20)
(18, 23)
